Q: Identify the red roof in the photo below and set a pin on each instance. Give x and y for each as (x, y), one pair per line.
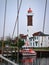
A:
(30, 10)
(23, 36)
(38, 34)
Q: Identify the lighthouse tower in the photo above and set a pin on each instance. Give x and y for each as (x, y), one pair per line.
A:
(29, 22)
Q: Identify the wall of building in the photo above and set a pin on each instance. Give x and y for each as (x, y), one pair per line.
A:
(38, 40)
(29, 30)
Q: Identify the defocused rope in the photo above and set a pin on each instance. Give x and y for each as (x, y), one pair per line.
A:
(16, 18)
(4, 18)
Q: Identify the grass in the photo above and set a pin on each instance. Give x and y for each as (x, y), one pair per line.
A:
(41, 49)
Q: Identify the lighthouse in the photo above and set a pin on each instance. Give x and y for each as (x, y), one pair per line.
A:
(29, 22)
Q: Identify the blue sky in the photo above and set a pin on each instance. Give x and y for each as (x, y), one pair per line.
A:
(38, 13)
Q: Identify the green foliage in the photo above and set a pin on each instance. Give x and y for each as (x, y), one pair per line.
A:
(41, 48)
(7, 42)
(0, 43)
(20, 43)
(13, 44)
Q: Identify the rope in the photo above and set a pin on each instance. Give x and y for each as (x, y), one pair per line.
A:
(16, 18)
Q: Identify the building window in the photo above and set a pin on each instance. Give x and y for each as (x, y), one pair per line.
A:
(29, 23)
(37, 37)
(33, 43)
(34, 37)
(36, 43)
(48, 38)
(30, 44)
(30, 39)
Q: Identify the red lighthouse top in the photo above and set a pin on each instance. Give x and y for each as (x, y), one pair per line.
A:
(30, 10)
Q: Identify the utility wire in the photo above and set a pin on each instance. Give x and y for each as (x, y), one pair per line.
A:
(17, 18)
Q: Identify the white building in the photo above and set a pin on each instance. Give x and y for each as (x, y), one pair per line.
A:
(40, 39)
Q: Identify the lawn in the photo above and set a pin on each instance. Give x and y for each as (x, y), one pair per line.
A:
(41, 49)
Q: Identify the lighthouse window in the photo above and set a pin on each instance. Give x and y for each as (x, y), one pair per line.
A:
(29, 18)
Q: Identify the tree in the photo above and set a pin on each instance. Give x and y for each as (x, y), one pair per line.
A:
(20, 43)
(7, 41)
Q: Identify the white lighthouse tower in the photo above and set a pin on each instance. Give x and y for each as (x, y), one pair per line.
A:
(29, 22)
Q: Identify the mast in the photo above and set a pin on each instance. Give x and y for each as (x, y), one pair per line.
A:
(4, 25)
(44, 20)
(18, 18)
(18, 10)
(18, 29)
(44, 15)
